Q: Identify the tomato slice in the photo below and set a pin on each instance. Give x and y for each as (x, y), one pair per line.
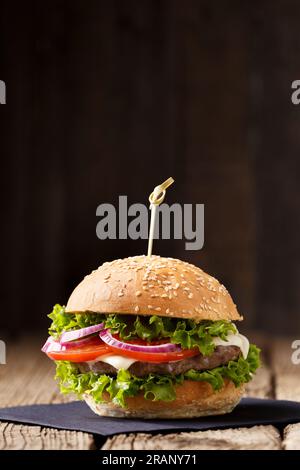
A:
(96, 348)
(89, 352)
(157, 357)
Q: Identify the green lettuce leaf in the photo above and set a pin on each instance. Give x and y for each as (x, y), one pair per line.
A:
(187, 333)
(62, 321)
(154, 387)
(239, 371)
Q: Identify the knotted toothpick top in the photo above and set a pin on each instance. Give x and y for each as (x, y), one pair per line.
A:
(156, 198)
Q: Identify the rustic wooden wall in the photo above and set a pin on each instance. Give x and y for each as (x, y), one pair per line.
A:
(110, 97)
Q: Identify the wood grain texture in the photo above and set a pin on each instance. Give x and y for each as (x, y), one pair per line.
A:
(210, 130)
(28, 376)
(262, 384)
(255, 438)
(19, 437)
(291, 437)
(202, 91)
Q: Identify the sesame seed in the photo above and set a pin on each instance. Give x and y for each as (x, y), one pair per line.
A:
(183, 282)
(150, 307)
(177, 285)
(167, 310)
(186, 288)
(175, 293)
(157, 309)
(190, 296)
(138, 293)
(164, 295)
(120, 294)
(154, 295)
(136, 308)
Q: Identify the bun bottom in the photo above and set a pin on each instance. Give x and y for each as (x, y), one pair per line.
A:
(193, 399)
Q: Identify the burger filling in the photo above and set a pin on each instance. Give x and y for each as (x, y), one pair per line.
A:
(221, 355)
(118, 356)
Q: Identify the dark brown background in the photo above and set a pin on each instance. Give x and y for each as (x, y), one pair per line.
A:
(111, 97)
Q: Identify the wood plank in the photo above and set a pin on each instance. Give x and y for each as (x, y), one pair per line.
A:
(255, 438)
(221, 167)
(28, 378)
(286, 374)
(291, 437)
(26, 365)
(20, 437)
(261, 386)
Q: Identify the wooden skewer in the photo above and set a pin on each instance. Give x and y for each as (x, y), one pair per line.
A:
(156, 198)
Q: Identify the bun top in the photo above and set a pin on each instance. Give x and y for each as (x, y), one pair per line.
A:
(153, 285)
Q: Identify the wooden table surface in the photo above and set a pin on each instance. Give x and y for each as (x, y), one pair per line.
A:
(27, 378)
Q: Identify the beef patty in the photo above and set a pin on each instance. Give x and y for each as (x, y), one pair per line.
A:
(221, 355)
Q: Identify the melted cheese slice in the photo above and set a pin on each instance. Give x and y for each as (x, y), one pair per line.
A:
(118, 362)
(235, 339)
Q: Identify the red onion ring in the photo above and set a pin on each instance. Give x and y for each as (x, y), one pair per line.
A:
(68, 336)
(56, 346)
(52, 345)
(106, 336)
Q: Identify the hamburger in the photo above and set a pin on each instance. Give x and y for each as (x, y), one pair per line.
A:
(151, 337)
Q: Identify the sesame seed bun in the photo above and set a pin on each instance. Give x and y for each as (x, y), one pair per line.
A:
(193, 399)
(153, 285)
